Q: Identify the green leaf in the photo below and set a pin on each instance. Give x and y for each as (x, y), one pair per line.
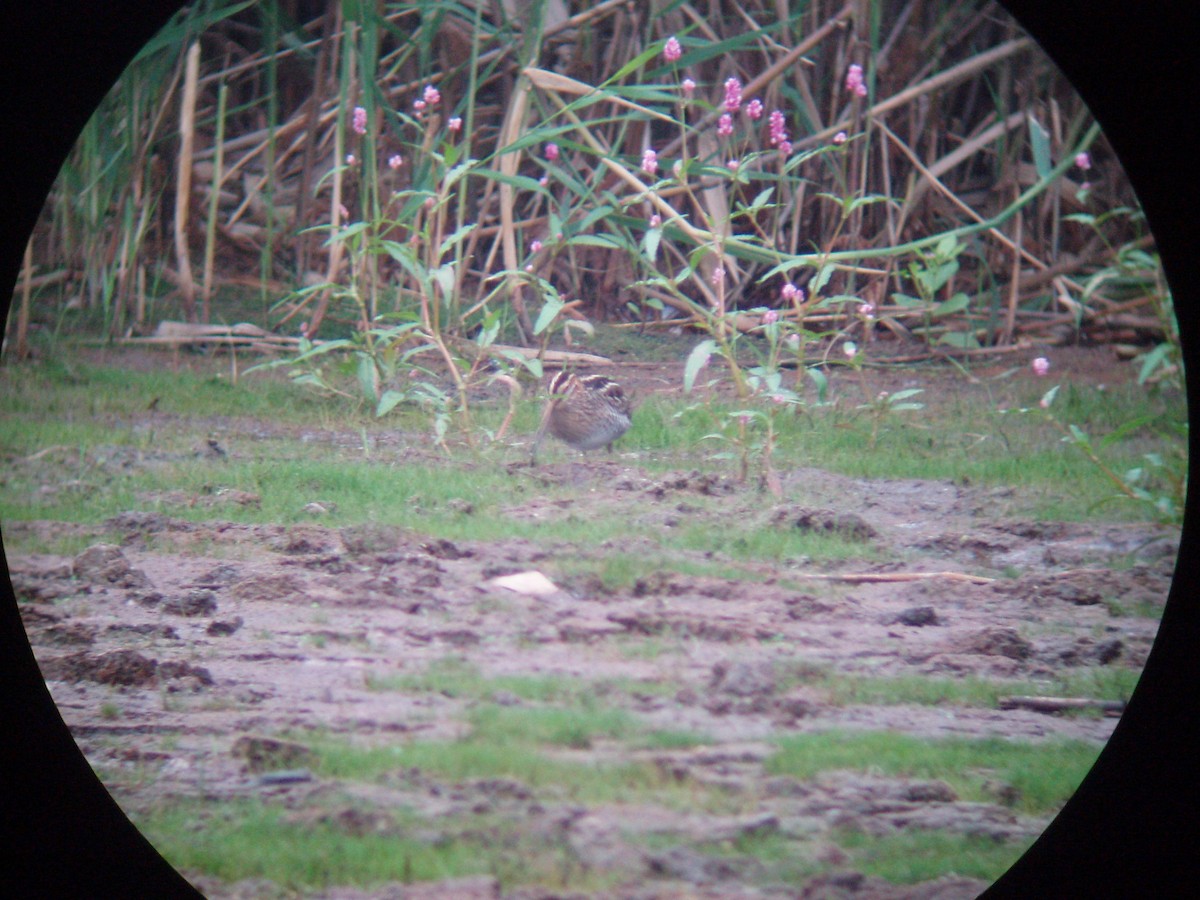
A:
(533, 365)
(368, 377)
(523, 182)
(1039, 139)
(820, 379)
(650, 242)
(696, 361)
(443, 276)
(456, 237)
(348, 232)
(947, 248)
(761, 200)
(964, 340)
(458, 172)
(1152, 360)
(821, 279)
(388, 402)
(1048, 397)
(550, 310)
(957, 303)
(594, 240)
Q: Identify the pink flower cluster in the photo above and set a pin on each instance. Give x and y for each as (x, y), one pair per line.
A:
(395, 161)
(854, 80)
(1083, 161)
(431, 96)
(1040, 366)
(725, 125)
(733, 95)
(689, 87)
(360, 120)
(779, 135)
(754, 109)
(649, 161)
(551, 152)
(671, 49)
(791, 293)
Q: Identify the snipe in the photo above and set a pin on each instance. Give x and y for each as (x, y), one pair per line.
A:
(584, 412)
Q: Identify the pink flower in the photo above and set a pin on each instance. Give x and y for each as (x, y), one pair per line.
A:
(1083, 161)
(360, 120)
(867, 311)
(718, 276)
(854, 80)
(345, 212)
(790, 293)
(455, 124)
(688, 86)
(849, 349)
(785, 147)
(543, 181)
(649, 161)
(419, 105)
(840, 137)
(732, 165)
(395, 161)
(351, 159)
(754, 109)
(778, 128)
(550, 151)
(535, 246)
(725, 125)
(431, 95)
(770, 317)
(1040, 366)
(656, 221)
(733, 95)
(671, 49)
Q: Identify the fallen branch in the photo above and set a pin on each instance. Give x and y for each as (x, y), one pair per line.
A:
(889, 577)
(1062, 704)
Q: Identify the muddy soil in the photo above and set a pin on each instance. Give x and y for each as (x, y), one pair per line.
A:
(242, 633)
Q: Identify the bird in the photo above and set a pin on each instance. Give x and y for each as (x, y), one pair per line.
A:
(584, 412)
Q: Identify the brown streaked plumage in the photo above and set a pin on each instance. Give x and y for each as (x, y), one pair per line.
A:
(584, 412)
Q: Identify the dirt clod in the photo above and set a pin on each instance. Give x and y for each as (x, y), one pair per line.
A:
(198, 602)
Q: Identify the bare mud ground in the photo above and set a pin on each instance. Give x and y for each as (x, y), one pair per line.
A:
(246, 632)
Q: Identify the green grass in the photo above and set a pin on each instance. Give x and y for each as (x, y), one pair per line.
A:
(912, 856)
(1045, 773)
(116, 454)
(618, 571)
(551, 775)
(1105, 683)
(455, 677)
(576, 727)
(249, 839)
